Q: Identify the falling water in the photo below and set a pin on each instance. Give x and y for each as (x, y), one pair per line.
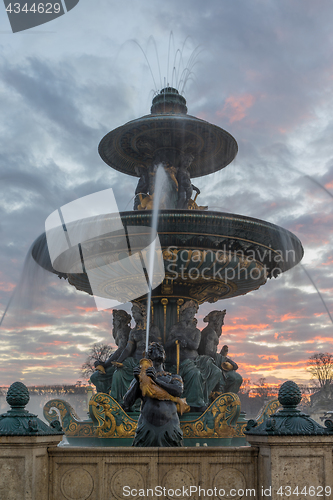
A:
(160, 180)
(181, 71)
(318, 291)
(29, 293)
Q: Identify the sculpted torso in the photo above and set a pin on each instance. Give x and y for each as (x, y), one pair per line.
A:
(210, 336)
(209, 342)
(188, 336)
(137, 338)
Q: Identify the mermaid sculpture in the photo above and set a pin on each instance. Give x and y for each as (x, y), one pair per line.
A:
(158, 424)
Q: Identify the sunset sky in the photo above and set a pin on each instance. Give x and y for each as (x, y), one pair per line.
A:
(263, 71)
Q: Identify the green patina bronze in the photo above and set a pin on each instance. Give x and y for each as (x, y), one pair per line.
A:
(168, 131)
(110, 425)
(289, 421)
(18, 421)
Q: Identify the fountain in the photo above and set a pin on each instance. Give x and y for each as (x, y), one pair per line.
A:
(207, 256)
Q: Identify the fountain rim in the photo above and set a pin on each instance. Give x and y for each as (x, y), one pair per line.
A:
(228, 154)
(193, 215)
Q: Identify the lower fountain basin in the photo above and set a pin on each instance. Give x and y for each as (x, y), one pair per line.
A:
(207, 255)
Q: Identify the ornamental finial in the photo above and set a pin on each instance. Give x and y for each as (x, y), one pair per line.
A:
(289, 421)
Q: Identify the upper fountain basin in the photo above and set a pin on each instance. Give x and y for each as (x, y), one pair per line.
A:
(170, 135)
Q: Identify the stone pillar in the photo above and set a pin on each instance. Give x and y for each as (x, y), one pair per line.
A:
(295, 452)
(24, 444)
(24, 466)
(292, 464)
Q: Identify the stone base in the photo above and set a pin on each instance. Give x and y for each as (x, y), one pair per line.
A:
(288, 465)
(119, 473)
(24, 466)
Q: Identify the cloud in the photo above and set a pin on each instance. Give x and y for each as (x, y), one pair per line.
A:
(235, 107)
(264, 74)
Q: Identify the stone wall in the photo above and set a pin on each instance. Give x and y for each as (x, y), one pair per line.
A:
(34, 468)
(119, 473)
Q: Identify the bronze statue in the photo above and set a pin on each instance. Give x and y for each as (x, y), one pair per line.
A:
(143, 185)
(185, 187)
(102, 377)
(177, 188)
(158, 424)
(210, 336)
(230, 380)
(146, 187)
(132, 353)
(199, 373)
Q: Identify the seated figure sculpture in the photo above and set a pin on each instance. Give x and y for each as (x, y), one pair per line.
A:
(185, 187)
(158, 424)
(230, 380)
(143, 185)
(210, 335)
(130, 357)
(199, 373)
(102, 377)
(233, 380)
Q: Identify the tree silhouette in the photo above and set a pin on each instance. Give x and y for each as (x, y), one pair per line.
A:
(320, 365)
(245, 387)
(97, 352)
(262, 389)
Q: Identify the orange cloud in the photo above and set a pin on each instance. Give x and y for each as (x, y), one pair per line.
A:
(249, 367)
(86, 309)
(6, 287)
(59, 342)
(323, 339)
(260, 326)
(269, 356)
(235, 107)
(328, 263)
(288, 317)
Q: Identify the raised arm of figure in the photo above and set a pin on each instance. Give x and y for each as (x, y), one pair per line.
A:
(171, 383)
(233, 364)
